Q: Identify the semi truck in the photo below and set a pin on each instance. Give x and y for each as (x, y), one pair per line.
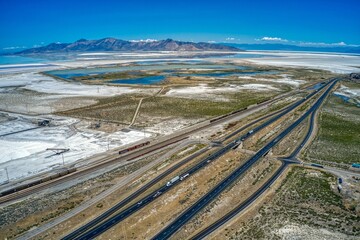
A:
(172, 181)
(184, 176)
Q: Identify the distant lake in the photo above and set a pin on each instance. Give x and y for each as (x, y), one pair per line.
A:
(248, 55)
(6, 60)
(12, 59)
(168, 68)
(69, 73)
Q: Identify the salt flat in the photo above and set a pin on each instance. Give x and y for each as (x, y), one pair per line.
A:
(203, 91)
(25, 153)
(45, 84)
(284, 79)
(338, 63)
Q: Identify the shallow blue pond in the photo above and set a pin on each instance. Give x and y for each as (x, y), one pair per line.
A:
(141, 80)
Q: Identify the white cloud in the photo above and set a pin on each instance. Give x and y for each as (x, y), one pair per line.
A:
(211, 41)
(41, 44)
(144, 40)
(230, 39)
(322, 44)
(306, 44)
(276, 39)
(13, 48)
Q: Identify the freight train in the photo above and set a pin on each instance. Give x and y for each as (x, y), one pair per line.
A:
(37, 182)
(134, 147)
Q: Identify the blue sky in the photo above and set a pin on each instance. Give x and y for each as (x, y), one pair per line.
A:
(27, 23)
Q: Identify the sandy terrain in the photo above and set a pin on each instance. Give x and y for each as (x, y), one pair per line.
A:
(203, 91)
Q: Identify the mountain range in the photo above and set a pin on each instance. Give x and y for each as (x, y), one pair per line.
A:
(113, 44)
(289, 47)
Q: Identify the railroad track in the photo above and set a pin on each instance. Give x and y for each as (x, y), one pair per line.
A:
(95, 231)
(174, 226)
(110, 160)
(86, 170)
(286, 161)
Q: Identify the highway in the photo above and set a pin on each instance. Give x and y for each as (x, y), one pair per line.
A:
(32, 233)
(154, 181)
(242, 206)
(291, 159)
(134, 195)
(150, 184)
(113, 159)
(218, 189)
(155, 145)
(152, 196)
(293, 155)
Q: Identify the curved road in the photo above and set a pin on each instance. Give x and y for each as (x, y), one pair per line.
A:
(124, 181)
(285, 162)
(150, 197)
(218, 189)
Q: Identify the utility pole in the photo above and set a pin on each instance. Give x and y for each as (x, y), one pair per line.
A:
(51, 109)
(7, 174)
(62, 154)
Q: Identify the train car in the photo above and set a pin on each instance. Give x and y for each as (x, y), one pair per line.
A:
(37, 182)
(63, 173)
(265, 100)
(71, 170)
(134, 147)
(227, 115)
(56, 175)
(317, 165)
(123, 151)
(7, 192)
(45, 179)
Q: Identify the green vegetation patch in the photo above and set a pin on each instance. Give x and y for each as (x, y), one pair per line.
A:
(118, 109)
(157, 108)
(310, 74)
(310, 186)
(338, 139)
(305, 198)
(195, 108)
